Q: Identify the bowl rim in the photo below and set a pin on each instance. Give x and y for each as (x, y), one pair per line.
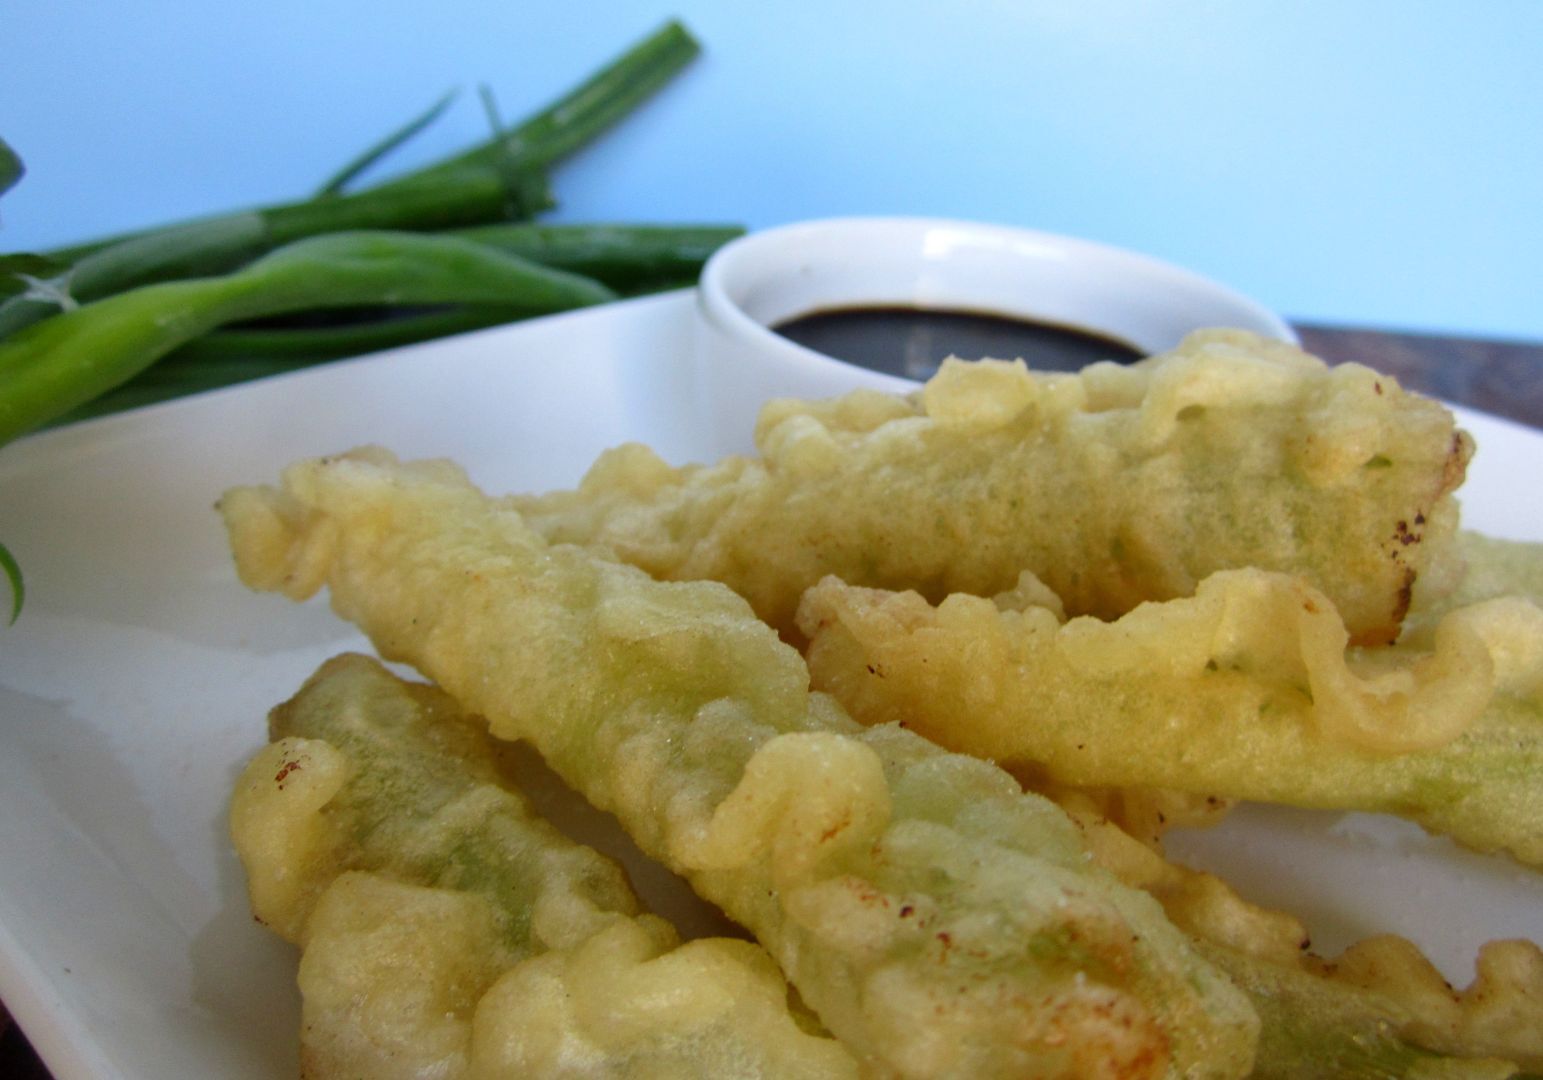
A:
(719, 308)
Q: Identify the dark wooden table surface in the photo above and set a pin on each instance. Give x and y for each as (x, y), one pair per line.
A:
(1504, 378)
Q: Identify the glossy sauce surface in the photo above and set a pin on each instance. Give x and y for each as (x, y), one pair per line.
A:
(913, 342)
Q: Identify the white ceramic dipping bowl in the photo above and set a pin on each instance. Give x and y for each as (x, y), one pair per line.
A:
(769, 278)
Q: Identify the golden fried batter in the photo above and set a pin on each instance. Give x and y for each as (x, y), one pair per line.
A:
(1114, 486)
(1379, 1009)
(1245, 690)
(449, 932)
(938, 920)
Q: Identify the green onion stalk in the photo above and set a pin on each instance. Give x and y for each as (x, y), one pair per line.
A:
(502, 179)
(586, 111)
(632, 260)
(441, 249)
(65, 361)
(458, 197)
(628, 258)
(548, 136)
(10, 172)
(11, 168)
(12, 571)
(340, 180)
(487, 194)
(493, 186)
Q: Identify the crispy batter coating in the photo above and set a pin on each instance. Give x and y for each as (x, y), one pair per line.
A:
(1379, 1009)
(1492, 569)
(938, 920)
(449, 932)
(1245, 690)
(1117, 485)
(1144, 814)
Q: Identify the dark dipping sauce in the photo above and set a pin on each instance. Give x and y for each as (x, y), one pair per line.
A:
(914, 342)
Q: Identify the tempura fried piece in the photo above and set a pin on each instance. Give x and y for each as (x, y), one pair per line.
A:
(938, 920)
(1379, 1009)
(1145, 814)
(1493, 569)
(449, 932)
(1245, 690)
(1117, 485)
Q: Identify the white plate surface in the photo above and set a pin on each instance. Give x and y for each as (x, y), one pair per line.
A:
(136, 682)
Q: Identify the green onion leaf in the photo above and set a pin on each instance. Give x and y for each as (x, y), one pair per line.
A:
(62, 362)
(490, 110)
(22, 271)
(578, 117)
(12, 570)
(347, 173)
(11, 168)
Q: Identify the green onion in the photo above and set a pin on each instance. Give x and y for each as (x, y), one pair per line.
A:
(63, 362)
(460, 196)
(81, 326)
(631, 259)
(11, 168)
(21, 270)
(12, 570)
(582, 114)
(168, 380)
(502, 179)
(628, 258)
(266, 342)
(344, 176)
(551, 134)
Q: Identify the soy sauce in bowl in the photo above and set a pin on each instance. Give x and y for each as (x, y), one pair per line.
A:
(913, 342)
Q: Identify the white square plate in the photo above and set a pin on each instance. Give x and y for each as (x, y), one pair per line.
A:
(136, 684)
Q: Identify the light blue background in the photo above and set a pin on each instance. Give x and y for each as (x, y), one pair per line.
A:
(1372, 163)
